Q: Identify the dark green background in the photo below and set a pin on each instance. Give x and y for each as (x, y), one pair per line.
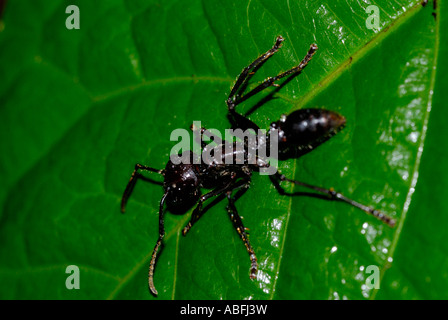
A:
(78, 108)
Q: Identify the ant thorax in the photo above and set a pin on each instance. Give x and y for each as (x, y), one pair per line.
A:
(258, 149)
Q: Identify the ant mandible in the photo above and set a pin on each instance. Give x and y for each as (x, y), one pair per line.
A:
(298, 133)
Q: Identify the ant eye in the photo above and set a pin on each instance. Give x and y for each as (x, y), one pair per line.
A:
(283, 118)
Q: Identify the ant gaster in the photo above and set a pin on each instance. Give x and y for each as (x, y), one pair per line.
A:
(298, 133)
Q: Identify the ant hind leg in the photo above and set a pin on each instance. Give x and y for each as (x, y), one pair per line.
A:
(233, 98)
(271, 80)
(238, 120)
(334, 195)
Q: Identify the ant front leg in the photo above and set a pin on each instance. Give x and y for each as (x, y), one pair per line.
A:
(334, 195)
(156, 248)
(133, 180)
(238, 224)
(197, 212)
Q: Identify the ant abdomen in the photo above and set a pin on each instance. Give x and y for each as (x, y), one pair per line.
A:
(307, 128)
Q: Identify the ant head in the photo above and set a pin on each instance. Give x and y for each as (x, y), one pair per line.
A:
(182, 185)
(307, 128)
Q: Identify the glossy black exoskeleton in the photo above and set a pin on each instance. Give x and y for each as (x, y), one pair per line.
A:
(297, 133)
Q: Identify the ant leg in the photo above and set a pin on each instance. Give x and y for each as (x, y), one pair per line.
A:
(242, 78)
(238, 224)
(202, 131)
(156, 248)
(271, 81)
(132, 181)
(333, 195)
(197, 213)
(238, 120)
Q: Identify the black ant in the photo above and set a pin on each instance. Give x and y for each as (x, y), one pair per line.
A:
(298, 133)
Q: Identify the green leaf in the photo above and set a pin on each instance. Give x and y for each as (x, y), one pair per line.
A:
(80, 107)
